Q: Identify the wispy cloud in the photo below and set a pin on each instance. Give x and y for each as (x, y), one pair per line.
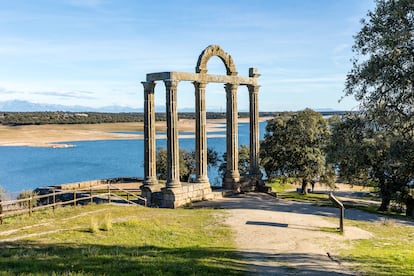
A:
(68, 94)
(4, 91)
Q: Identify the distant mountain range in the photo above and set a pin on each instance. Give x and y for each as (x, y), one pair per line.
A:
(26, 106)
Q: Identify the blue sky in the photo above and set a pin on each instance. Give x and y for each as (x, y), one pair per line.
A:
(96, 52)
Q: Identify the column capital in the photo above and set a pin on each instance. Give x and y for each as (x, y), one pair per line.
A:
(148, 85)
(253, 88)
(200, 85)
(171, 84)
(231, 87)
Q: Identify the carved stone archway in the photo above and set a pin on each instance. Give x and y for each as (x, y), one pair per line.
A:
(175, 193)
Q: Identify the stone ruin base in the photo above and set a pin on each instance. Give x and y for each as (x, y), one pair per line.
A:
(160, 196)
(175, 197)
(250, 184)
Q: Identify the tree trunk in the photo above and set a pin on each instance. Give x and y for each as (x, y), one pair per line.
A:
(385, 195)
(304, 184)
(385, 203)
(409, 212)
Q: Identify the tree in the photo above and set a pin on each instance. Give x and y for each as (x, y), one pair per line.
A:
(382, 78)
(187, 162)
(244, 161)
(364, 152)
(294, 146)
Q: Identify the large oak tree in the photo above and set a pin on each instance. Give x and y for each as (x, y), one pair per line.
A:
(294, 146)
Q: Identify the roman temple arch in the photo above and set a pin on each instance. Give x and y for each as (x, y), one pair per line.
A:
(174, 193)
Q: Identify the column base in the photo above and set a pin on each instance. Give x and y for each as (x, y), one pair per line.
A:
(149, 193)
(150, 182)
(202, 180)
(173, 185)
(231, 180)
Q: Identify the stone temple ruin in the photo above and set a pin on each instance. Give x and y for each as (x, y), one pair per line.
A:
(174, 193)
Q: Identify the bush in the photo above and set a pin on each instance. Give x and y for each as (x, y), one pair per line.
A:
(26, 195)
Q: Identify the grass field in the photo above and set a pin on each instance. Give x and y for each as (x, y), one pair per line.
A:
(114, 240)
(131, 240)
(389, 252)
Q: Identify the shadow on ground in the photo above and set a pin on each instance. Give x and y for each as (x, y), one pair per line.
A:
(261, 201)
(31, 258)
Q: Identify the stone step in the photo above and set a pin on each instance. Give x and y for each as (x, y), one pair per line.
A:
(220, 193)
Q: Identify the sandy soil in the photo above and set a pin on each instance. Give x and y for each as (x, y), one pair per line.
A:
(280, 237)
(49, 135)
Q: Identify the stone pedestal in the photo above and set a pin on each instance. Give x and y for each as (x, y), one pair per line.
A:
(186, 193)
(149, 192)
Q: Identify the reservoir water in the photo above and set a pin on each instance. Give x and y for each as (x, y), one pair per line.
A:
(24, 168)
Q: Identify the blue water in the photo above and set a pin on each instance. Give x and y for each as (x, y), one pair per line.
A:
(24, 168)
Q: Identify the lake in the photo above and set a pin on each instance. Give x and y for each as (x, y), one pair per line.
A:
(24, 168)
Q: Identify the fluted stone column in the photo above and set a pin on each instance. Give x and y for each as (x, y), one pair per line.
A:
(173, 169)
(232, 175)
(254, 130)
(201, 135)
(150, 174)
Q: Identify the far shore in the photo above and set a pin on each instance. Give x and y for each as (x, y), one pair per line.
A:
(60, 136)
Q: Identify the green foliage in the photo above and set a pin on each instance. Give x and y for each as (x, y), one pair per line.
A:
(244, 161)
(27, 195)
(60, 117)
(366, 153)
(187, 162)
(382, 74)
(294, 145)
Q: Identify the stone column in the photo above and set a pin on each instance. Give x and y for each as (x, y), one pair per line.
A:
(173, 169)
(232, 175)
(200, 132)
(150, 174)
(254, 130)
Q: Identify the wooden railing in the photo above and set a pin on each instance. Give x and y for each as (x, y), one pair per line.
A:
(106, 193)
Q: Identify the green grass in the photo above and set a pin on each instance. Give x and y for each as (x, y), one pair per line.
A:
(278, 186)
(139, 241)
(319, 199)
(389, 252)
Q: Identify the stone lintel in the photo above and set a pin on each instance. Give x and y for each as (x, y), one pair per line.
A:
(205, 78)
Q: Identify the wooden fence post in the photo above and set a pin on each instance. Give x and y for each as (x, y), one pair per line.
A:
(30, 206)
(109, 194)
(74, 198)
(90, 192)
(54, 200)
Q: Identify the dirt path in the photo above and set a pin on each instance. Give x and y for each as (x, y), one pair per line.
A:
(279, 237)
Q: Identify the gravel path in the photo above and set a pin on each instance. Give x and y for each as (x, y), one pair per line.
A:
(280, 237)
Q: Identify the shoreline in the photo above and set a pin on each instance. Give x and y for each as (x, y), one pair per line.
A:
(60, 136)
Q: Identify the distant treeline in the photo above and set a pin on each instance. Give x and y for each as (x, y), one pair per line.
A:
(42, 118)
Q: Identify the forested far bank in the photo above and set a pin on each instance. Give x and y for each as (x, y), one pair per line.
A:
(58, 117)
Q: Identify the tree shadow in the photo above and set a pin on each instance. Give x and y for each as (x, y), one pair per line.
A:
(35, 258)
(262, 201)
